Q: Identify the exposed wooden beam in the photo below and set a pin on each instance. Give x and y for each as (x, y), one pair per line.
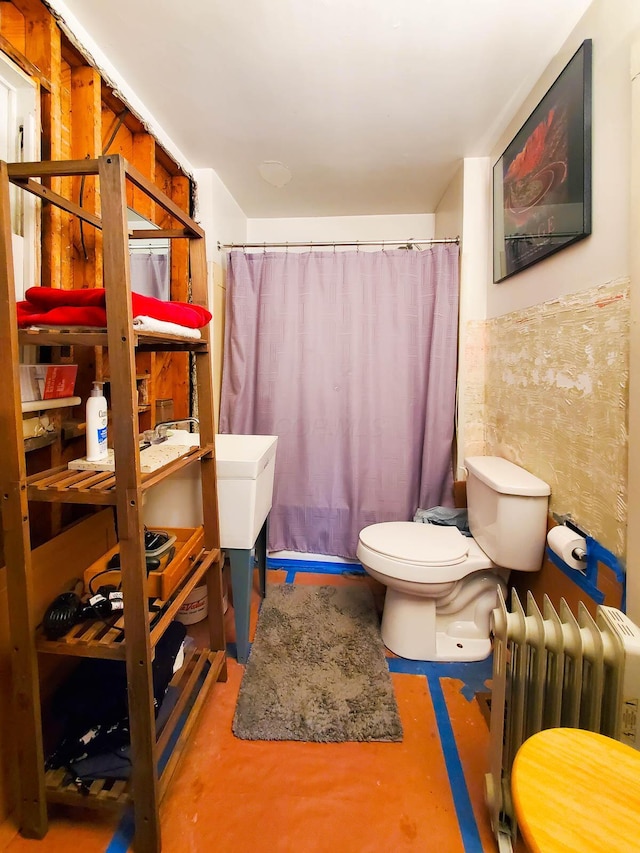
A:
(22, 62)
(13, 26)
(86, 142)
(144, 159)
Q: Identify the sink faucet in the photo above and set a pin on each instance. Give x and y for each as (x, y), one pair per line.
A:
(159, 433)
(178, 421)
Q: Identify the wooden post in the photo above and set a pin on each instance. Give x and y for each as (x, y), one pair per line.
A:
(199, 284)
(86, 118)
(129, 502)
(17, 548)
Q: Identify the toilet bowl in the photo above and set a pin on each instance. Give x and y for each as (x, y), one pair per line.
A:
(441, 589)
(442, 585)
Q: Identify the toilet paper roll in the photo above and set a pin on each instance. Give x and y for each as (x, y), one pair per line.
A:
(567, 545)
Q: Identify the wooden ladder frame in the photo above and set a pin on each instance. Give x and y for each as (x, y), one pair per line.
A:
(16, 489)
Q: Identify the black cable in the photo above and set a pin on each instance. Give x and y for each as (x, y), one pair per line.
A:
(117, 126)
(103, 572)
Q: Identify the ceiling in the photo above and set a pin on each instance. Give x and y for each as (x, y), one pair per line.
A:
(330, 107)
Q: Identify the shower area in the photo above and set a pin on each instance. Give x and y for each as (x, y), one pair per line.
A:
(349, 356)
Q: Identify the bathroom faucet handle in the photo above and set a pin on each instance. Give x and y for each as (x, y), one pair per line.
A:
(159, 433)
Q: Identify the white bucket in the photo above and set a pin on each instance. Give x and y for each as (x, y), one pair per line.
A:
(195, 607)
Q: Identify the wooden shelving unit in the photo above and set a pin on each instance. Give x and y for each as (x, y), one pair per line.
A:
(133, 636)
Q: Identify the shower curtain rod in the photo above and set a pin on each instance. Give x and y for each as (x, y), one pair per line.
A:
(357, 243)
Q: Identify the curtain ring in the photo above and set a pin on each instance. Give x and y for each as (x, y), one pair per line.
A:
(264, 248)
(286, 249)
(357, 245)
(334, 248)
(383, 246)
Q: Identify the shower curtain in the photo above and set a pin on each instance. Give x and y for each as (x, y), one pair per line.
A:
(350, 359)
(150, 274)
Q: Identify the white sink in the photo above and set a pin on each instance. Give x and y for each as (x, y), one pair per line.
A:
(245, 466)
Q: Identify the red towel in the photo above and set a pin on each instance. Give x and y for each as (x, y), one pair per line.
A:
(50, 306)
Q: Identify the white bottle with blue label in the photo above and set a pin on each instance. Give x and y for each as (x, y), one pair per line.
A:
(96, 424)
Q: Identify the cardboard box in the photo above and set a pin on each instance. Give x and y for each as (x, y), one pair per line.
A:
(47, 381)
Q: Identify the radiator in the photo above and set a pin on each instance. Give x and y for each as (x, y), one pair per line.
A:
(551, 669)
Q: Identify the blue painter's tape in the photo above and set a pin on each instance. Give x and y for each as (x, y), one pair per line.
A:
(461, 800)
(473, 674)
(125, 832)
(587, 582)
(123, 837)
(315, 566)
(596, 553)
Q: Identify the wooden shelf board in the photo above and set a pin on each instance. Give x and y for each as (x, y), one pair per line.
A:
(217, 662)
(144, 341)
(102, 794)
(44, 405)
(37, 442)
(60, 485)
(104, 639)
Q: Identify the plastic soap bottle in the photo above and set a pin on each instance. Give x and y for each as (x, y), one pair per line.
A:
(96, 424)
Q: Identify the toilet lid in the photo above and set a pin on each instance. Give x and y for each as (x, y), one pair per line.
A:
(412, 542)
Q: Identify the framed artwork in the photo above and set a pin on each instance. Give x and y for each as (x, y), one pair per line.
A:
(542, 182)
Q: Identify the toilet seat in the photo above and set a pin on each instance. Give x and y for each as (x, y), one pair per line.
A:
(423, 553)
(423, 544)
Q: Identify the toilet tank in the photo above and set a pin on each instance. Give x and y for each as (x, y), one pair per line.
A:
(508, 509)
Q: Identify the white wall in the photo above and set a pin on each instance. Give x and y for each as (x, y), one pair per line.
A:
(603, 256)
(342, 228)
(449, 209)
(223, 222)
(465, 206)
(533, 302)
(218, 213)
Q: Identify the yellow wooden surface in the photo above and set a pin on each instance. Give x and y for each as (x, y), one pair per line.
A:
(577, 791)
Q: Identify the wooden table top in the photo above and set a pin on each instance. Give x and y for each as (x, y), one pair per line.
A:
(577, 791)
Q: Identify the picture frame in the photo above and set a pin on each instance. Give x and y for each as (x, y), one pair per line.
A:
(542, 181)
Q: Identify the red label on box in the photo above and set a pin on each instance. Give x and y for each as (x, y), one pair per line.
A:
(60, 381)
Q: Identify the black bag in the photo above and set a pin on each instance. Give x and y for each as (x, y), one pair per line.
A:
(91, 706)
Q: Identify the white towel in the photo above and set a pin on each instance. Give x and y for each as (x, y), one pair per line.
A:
(150, 324)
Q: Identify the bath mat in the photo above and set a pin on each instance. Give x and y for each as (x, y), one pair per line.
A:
(317, 669)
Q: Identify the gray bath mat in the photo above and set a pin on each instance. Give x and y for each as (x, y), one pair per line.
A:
(317, 669)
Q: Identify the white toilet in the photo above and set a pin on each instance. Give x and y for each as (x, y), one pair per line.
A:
(442, 585)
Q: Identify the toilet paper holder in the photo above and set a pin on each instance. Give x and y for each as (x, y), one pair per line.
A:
(572, 549)
(579, 553)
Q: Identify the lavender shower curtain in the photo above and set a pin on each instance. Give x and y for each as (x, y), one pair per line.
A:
(350, 359)
(150, 274)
